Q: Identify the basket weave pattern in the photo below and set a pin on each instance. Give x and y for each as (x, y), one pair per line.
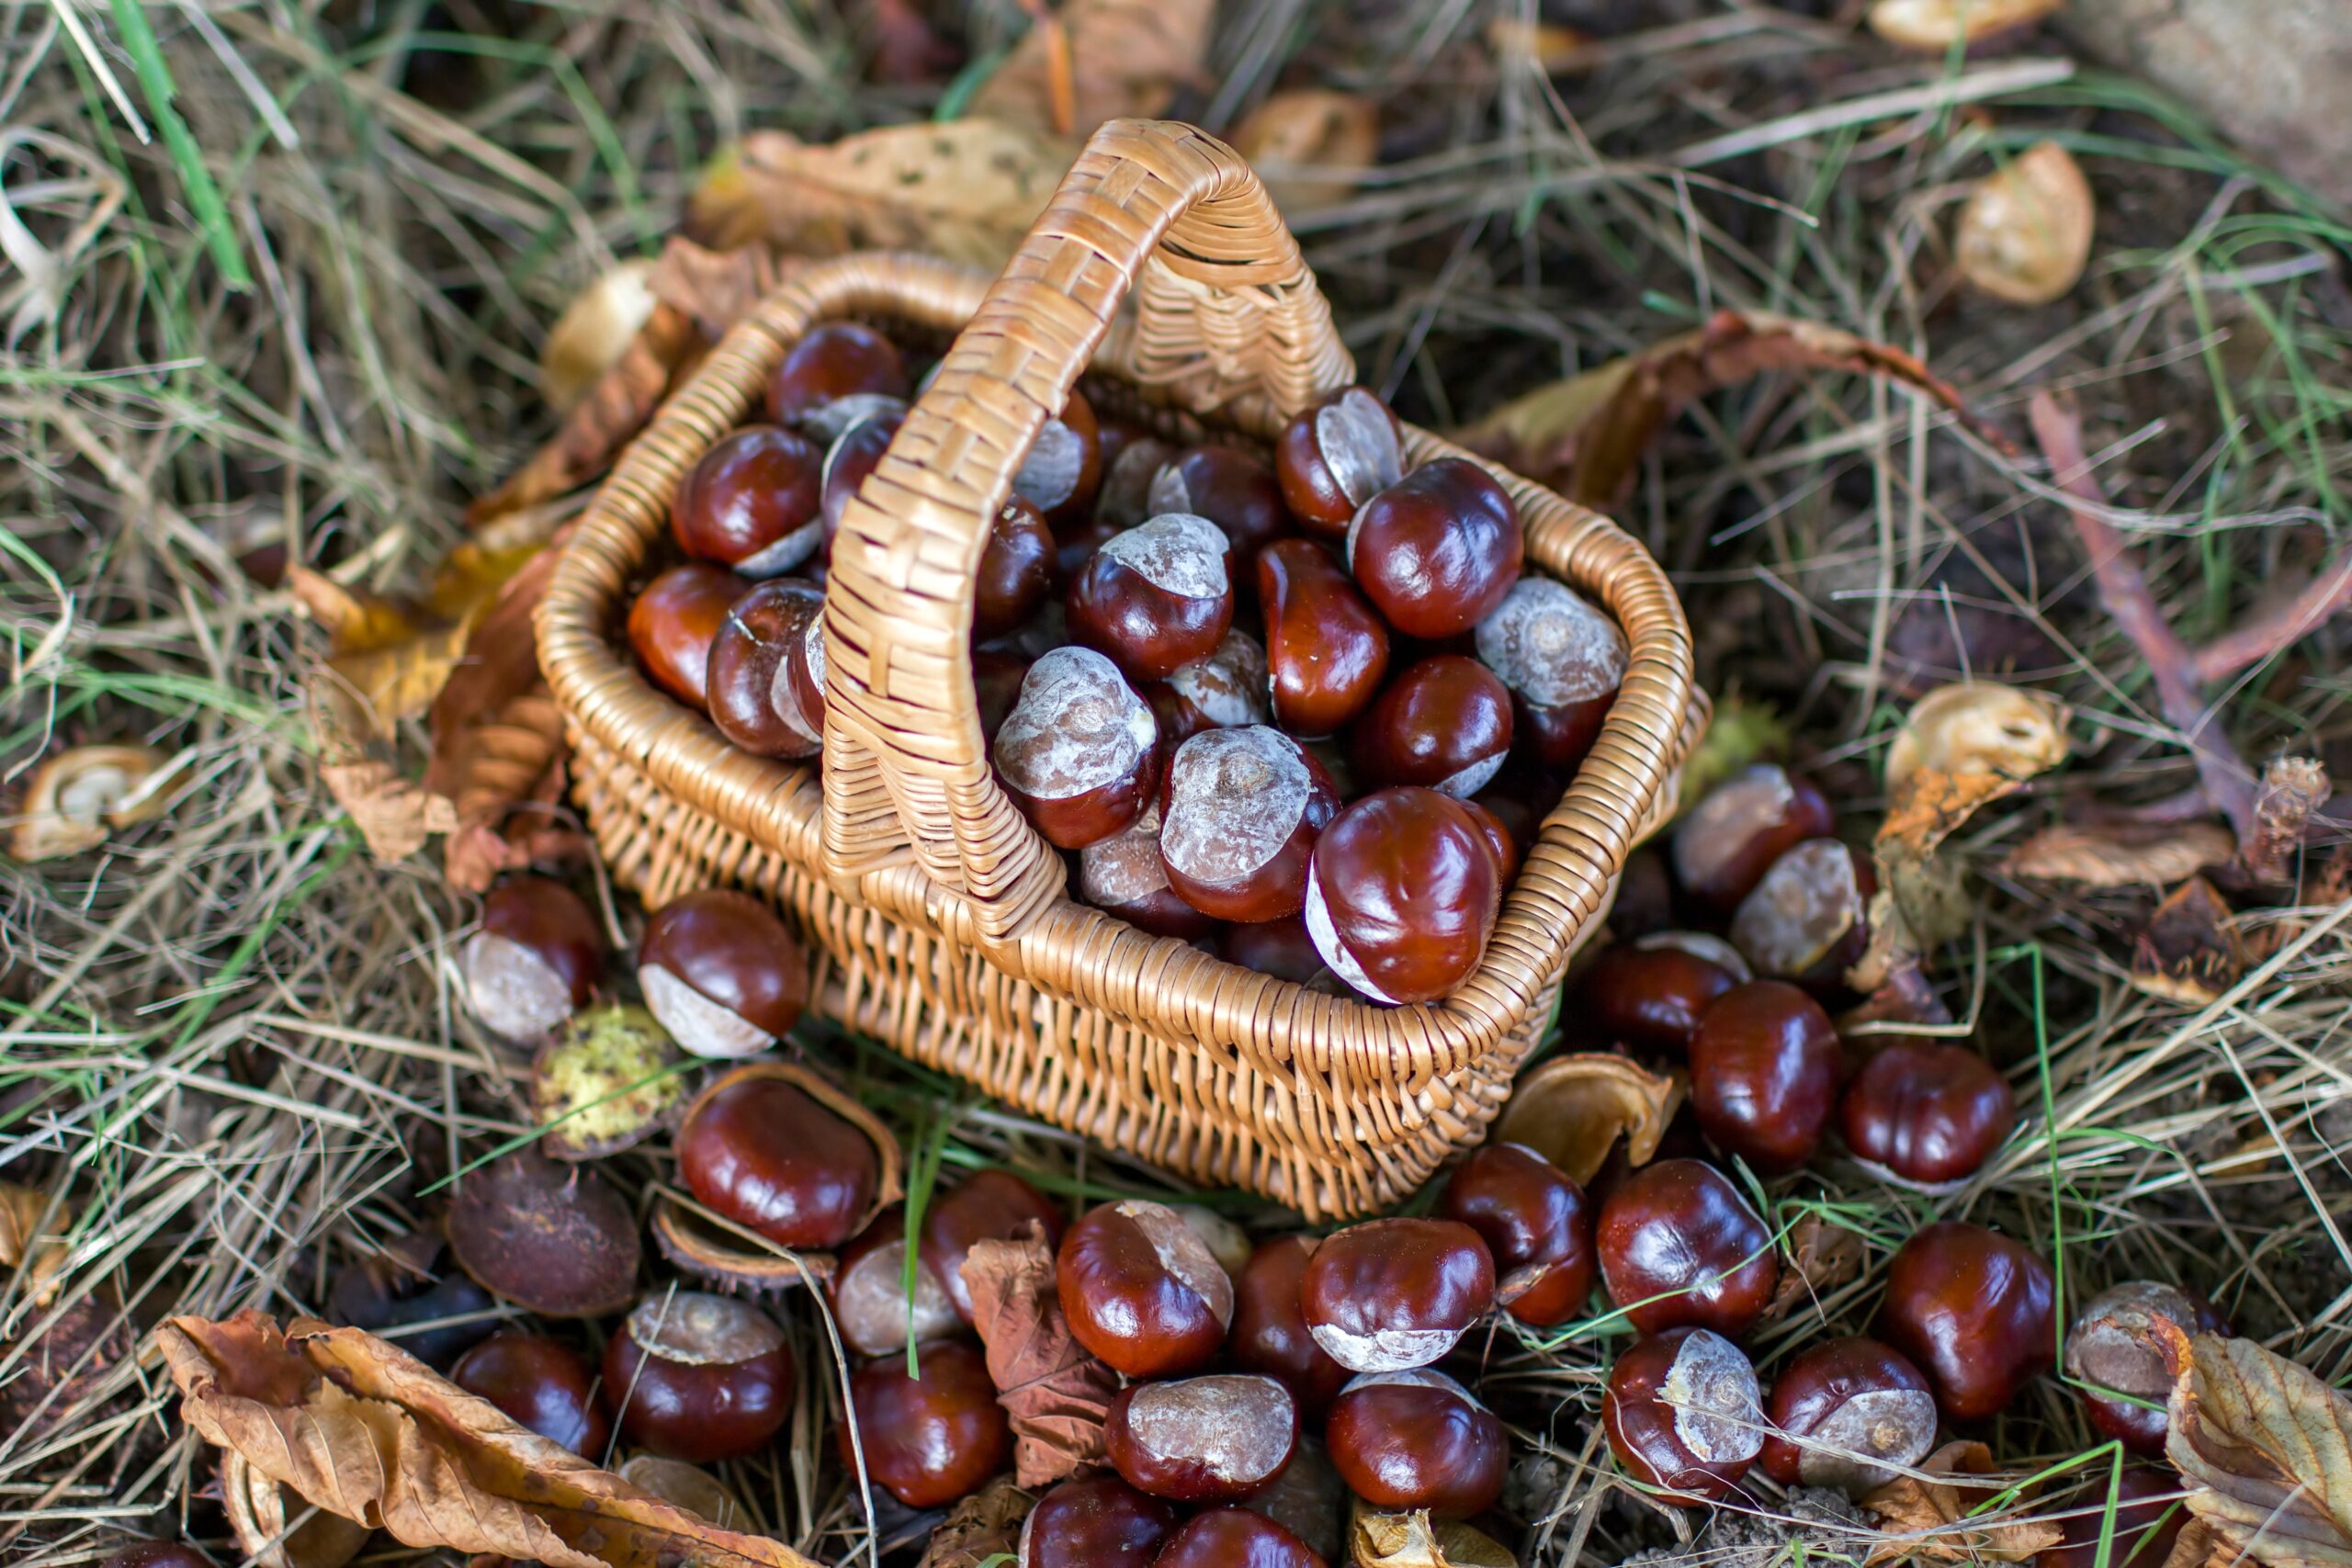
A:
(939, 919)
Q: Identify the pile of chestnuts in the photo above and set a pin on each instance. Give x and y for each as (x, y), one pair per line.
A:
(1300, 708)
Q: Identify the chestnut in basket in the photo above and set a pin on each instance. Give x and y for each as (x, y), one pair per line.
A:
(1388, 1294)
(1132, 458)
(1808, 919)
(536, 959)
(1684, 1415)
(2113, 1351)
(1241, 811)
(872, 1303)
(1269, 1332)
(838, 371)
(850, 460)
(699, 1378)
(1764, 1067)
(931, 1438)
(988, 1205)
(1847, 1414)
(1123, 875)
(1096, 1522)
(1925, 1111)
(1283, 949)
(722, 971)
(1679, 1246)
(1416, 1438)
(1649, 993)
(1064, 467)
(673, 621)
(1333, 458)
(1445, 724)
(1235, 1537)
(996, 687)
(750, 502)
(1726, 842)
(1537, 1223)
(762, 1151)
(1155, 597)
(539, 1383)
(1499, 841)
(1204, 1439)
(1076, 753)
(1437, 551)
(1326, 649)
(1975, 1311)
(1402, 894)
(1563, 660)
(1016, 570)
(1231, 488)
(1220, 692)
(1142, 1290)
(754, 699)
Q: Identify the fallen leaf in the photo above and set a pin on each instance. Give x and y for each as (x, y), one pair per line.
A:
(2266, 1448)
(984, 1527)
(1378, 1540)
(717, 289)
(594, 331)
(76, 798)
(2024, 233)
(367, 1432)
(691, 1488)
(472, 575)
(1573, 1109)
(2190, 951)
(355, 620)
(393, 813)
(1125, 58)
(1937, 25)
(1311, 145)
(1937, 1521)
(23, 1234)
(1821, 1257)
(1585, 436)
(2121, 854)
(1054, 1394)
(2199, 1545)
(259, 1510)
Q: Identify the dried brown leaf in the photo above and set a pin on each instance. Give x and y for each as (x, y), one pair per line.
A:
(259, 1510)
(367, 1432)
(2190, 951)
(1573, 1109)
(1935, 1520)
(1054, 1394)
(393, 813)
(592, 333)
(1974, 729)
(2025, 234)
(1378, 1540)
(2267, 1450)
(983, 1526)
(355, 620)
(1821, 1257)
(1937, 25)
(1126, 57)
(717, 289)
(2292, 790)
(23, 1234)
(2121, 854)
(1311, 145)
(691, 1488)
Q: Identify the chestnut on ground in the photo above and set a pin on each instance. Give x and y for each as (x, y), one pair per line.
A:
(988, 1205)
(764, 1153)
(1976, 1311)
(1270, 1333)
(1416, 1438)
(1536, 1223)
(1808, 919)
(722, 971)
(872, 1304)
(411, 1280)
(1205, 1440)
(1388, 1294)
(1764, 1067)
(540, 1384)
(2150, 1509)
(1235, 1537)
(931, 1438)
(1095, 1522)
(1684, 1415)
(1142, 1290)
(1680, 1246)
(1843, 1413)
(699, 1378)
(1648, 993)
(536, 959)
(2114, 1351)
(1726, 842)
(1927, 1110)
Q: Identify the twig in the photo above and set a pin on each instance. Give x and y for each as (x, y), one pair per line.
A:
(2241, 647)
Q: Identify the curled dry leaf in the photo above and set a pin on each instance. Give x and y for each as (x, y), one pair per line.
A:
(259, 1509)
(594, 331)
(1054, 1394)
(75, 799)
(1935, 1520)
(1573, 1109)
(1821, 1257)
(2024, 233)
(2190, 951)
(1979, 726)
(1098, 60)
(367, 1432)
(1378, 1540)
(29, 1231)
(1937, 25)
(2121, 854)
(689, 1486)
(2266, 1448)
(1311, 145)
(984, 1527)
(717, 289)
(394, 814)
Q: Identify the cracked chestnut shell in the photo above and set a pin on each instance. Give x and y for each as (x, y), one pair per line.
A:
(762, 1152)
(1270, 1333)
(1649, 994)
(749, 681)
(1536, 1223)
(699, 1378)
(722, 971)
(931, 1438)
(1975, 1311)
(988, 1205)
(1205, 1440)
(1416, 1438)
(1335, 457)
(1680, 1246)
(1326, 649)
(834, 361)
(540, 1384)
(1142, 1290)
(1862, 1410)
(1929, 1112)
(1096, 1522)
(1388, 1294)
(1154, 598)
(1684, 1415)
(536, 959)
(751, 502)
(1239, 817)
(1444, 724)
(1235, 1537)
(1437, 551)
(1233, 489)
(1402, 894)
(2113, 1344)
(1764, 1067)
(673, 621)
(1724, 845)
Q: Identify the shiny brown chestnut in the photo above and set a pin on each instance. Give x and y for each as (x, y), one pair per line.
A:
(1402, 894)
(1416, 1438)
(673, 621)
(1444, 723)
(874, 1307)
(1077, 754)
(1537, 1223)
(832, 363)
(1437, 551)
(1283, 949)
(1499, 841)
(751, 502)
(536, 959)
(1331, 458)
(1728, 840)
(1016, 570)
(931, 1438)
(1223, 691)
(2150, 1509)
(1680, 1246)
(750, 684)
(1684, 1415)
(1808, 919)
(1207, 1439)
(1064, 467)
(850, 461)
(1976, 1311)
(1326, 648)
(1649, 994)
(539, 1383)
(1764, 1074)
(1123, 875)
(1097, 1522)
(1235, 1538)
(1562, 659)
(1927, 1111)
(1142, 1290)
(722, 971)
(1231, 488)
(1154, 598)
(988, 1205)
(2114, 1351)
(1270, 1333)
(1239, 817)
(1847, 1414)
(762, 1152)
(699, 1377)
(1388, 1294)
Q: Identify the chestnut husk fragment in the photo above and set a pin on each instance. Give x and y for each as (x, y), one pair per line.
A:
(581, 1084)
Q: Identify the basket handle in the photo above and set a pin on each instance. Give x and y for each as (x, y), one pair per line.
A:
(1228, 313)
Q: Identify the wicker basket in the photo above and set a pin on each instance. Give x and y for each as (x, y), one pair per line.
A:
(937, 918)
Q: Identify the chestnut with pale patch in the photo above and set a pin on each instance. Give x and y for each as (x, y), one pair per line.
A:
(872, 1305)
(1807, 919)
(1847, 1414)
(1155, 597)
(536, 960)
(1563, 660)
(1726, 843)
(1243, 808)
(1684, 1414)
(1142, 1290)
(1416, 1438)
(1331, 458)
(699, 1377)
(1388, 1294)
(723, 972)
(1204, 1439)
(1075, 752)
(1097, 1522)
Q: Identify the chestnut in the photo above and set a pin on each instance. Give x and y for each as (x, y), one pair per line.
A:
(1131, 463)
(762, 1152)
(1648, 994)
(1402, 894)
(386, 1290)
(933, 1436)
(1204, 1439)
(750, 686)
(1684, 1415)
(1016, 569)
(673, 621)
(1235, 1537)
(1223, 691)
(1808, 919)
(850, 460)
(1309, 1499)
(1437, 551)
(1076, 753)
(1445, 724)
(699, 1378)
(1326, 649)
(837, 370)
(1283, 949)
(1847, 1414)
(539, 1383)
(2150, 1509)
(752, 501)
(1927, 1111)
(722, 971)
(1537, 1223)
(1231, 488)
(536, 959)
(874, 1307)
(1388, 1294)
(1416, 1438)
(1098, 1522)
(996, 687)
(2113, 1352)
(988, 1205)
(1679, 1246)
(1123, 875)
(1563, 660)
(1154, 598)
(1764, 1074)
(1726, 843)
(1141, 1290)
(1064, 467)
(1240, 814)
(1269, 1332)
(1976, 1311)
(1333, 458)
(1499, 841)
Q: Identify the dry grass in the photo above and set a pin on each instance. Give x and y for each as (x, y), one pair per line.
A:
(232, 1042)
